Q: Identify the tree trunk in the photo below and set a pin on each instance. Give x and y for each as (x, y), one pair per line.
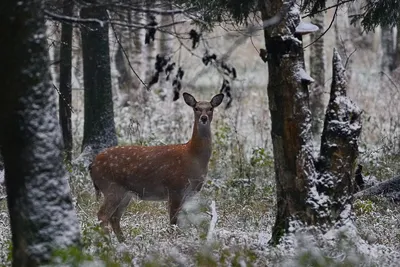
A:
(305, 192)
(396, 63)
(387, 49)
(317, 71)
(42, 216)
(65, 99)
(149, 52)
(165, 48)
(343, 38)
(122, 58)
(99, 127)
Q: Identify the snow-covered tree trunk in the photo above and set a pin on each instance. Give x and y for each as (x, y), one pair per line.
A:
(65, 99)
(317, 71)
(343, 36)
(99, 127)
(309, 191)
(42, 215)
(387, 49)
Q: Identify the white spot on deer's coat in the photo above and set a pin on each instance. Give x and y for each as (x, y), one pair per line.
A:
(128, 158)
(105, 163)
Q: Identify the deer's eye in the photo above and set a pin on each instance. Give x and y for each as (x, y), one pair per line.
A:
(196, 109)
(211, 109)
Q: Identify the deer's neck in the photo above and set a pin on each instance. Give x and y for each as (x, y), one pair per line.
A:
(200, 143)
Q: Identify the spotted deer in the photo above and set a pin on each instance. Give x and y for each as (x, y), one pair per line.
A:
(156, 173)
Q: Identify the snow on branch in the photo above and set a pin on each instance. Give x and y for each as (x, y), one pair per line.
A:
(63, 18)
(79, 20)
(157, 11)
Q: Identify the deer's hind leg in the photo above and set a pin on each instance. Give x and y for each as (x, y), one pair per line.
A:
(113, 197)
(116, 216)
(174, 205)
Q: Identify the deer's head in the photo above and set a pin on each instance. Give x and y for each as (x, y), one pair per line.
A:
(203, 110)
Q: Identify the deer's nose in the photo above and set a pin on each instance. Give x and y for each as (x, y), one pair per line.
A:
(203, 119)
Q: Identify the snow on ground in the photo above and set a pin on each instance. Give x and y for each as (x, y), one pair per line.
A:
(241, 179)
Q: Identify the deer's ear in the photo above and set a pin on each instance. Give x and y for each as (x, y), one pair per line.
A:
(189, 99)
(217, 100)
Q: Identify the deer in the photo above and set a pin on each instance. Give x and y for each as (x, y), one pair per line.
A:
(170, 173)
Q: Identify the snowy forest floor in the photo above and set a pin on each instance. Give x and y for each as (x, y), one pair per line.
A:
(240, 178)
(240, 182)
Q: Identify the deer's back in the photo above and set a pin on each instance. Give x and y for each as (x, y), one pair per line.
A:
(147, 171)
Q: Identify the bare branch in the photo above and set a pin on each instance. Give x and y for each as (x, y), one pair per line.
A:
(125, 54)
(327, 8)
(71, 19)
(330, 25)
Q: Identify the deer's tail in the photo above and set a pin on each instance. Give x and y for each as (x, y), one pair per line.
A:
(96, 188)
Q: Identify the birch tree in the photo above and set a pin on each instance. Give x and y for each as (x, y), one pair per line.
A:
(65, 98)
(317, 71)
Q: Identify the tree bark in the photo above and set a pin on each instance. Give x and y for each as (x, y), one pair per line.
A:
(42, 216)
(65, 99)
(305, 192)
(99, 127)
(317, 71)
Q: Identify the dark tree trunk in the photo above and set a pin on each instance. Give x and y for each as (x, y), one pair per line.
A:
(99, 127)
(65, 99)
(317, 71)
(42, 216)
(305, 193)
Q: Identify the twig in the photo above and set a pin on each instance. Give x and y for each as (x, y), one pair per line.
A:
(390, 79)
(348, 58)
(330, 25)
(125, 54)
(66, 102)
(157, 11)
